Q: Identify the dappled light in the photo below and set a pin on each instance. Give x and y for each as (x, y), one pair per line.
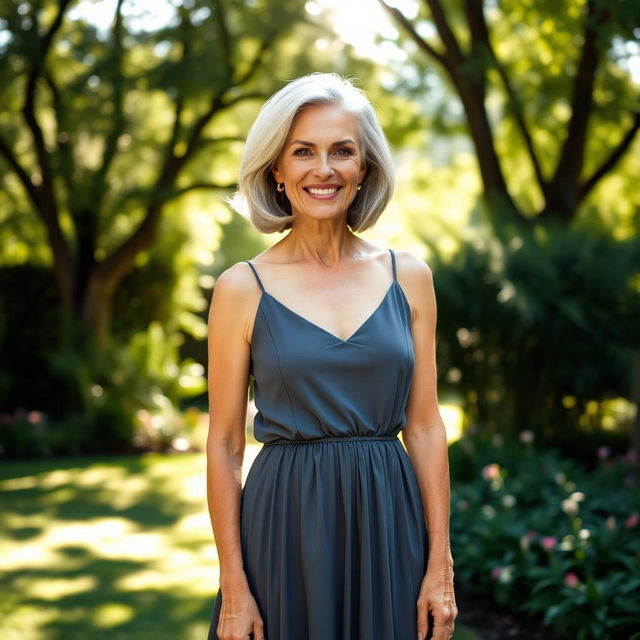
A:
(514, 133)
(123, 561)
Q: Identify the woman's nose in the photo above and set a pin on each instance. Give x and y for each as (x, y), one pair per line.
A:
(323, 165)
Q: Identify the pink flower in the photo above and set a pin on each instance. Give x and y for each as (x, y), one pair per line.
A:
(603, 452)
(35, 417)
(549, 543)
(495, 573)
(491, 471)
(632, 521)
(571, 579)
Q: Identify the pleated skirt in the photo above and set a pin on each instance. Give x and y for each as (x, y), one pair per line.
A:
(334, 540)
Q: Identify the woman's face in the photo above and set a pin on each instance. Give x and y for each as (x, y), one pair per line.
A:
(321, 164)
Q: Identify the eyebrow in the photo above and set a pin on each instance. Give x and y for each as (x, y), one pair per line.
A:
(312, 144)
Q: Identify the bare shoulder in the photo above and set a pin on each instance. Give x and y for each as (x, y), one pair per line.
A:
(416, 279)
(412, 271)
(235, 297)
(236, 281)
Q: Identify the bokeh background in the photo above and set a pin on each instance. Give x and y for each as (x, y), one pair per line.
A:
(515, 133)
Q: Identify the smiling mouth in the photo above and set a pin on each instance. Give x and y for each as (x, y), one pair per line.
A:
(321, 191)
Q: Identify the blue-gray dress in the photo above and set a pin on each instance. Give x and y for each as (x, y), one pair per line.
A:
(333, 535)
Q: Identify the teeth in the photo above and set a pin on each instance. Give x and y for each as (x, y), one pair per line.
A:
(322, 192)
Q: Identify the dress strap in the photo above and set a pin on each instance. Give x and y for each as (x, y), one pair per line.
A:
(256, 274)
(393, 263)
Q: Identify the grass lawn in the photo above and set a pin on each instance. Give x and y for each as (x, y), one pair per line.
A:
(118, 548)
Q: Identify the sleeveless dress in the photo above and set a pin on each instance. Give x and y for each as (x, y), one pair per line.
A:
(333, 535)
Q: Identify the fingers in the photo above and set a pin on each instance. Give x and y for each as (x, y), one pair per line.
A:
(423, 622)
(443, 616)
(257, 633)
(258, 630)
(444, 621)
(442, 632)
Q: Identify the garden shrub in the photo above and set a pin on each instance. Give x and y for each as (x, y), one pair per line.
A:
(547, 539)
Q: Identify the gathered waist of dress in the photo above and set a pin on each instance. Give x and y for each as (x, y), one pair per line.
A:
(327, 439)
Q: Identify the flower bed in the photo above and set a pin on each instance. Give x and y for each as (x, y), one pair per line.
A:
(548, 539)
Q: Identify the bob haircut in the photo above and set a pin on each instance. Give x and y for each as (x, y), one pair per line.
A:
(257, 198)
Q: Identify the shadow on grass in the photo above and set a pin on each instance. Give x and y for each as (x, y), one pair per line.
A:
(106, 548)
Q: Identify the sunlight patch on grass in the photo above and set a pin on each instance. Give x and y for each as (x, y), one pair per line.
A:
(194, 523)
(54, 588)
(26, 554)
(117, 547)
(189, 578)
(23, 622)
(19, 484)
(112, 614)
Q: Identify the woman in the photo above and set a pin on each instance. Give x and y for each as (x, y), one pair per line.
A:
(340, 532)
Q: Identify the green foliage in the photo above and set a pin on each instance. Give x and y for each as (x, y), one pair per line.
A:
(125, 400)
(143, 377)
(547, 539)
(531, 332)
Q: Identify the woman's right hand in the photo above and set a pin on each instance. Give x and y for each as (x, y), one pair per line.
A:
(239, 616)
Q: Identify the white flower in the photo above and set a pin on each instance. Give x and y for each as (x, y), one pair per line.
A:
(570, 506)
(488, 511)
(506, 574)
(508, 501)
(527, 436)
(568, 543)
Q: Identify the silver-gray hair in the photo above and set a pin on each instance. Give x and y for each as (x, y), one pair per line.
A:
(257, 198)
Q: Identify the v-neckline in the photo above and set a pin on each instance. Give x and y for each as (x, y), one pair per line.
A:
(327, 332)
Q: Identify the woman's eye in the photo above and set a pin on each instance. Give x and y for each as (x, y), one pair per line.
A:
(343, 151)
(301, 152)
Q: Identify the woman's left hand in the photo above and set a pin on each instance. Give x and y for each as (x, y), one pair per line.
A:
(437, 596)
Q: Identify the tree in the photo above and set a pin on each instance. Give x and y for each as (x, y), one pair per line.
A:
(103, 129)
(553, 70)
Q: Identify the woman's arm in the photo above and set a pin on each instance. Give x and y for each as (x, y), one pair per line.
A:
(230, 316)
(426, 442)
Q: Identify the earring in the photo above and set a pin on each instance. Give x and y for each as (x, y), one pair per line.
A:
(280, 187)
(359, 187)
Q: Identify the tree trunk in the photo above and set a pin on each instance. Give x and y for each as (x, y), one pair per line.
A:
(96, 310)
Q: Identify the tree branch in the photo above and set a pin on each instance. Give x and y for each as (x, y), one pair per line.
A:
(446, 33)
(225, 39)
(111, 143)
(612, 159)
(480, 53)
(480, 32)
(257, 60)
(399, 17)
(201, 185)
(28, 108)
(563, 187)
(63, 140)
(20, 171)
